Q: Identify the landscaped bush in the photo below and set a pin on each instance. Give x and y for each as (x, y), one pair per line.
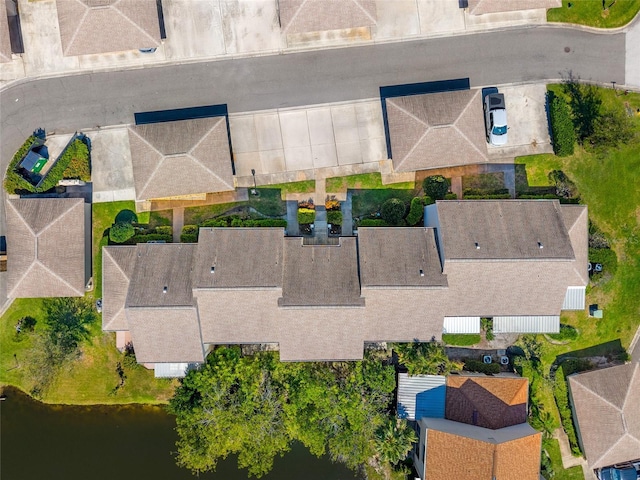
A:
(480, 192)
(487, 326)
(13, 182)
(121, 232)
(451, 196)
(562, 398)
(481, 367)
(78, 166)
(562, 131)
(567, 332)
(27, 324)
(460, 340)
(188, 238)
(164, 230)
(306, 216)
(236, 221)
(372, 222)
(76, 149)
(416, 211)
(332, 204)
(215, 222)
(149, 237)
(435, 186)
(491, 196)
(393, 211)
(541, 196)
(334, 217)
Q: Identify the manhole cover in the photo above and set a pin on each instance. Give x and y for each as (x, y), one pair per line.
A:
(567, 49)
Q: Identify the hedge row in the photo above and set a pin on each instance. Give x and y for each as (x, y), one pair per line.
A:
(373, 222)
(493, 196)
(477, 191)
(306, 216)
(334, 217)
(562, 131)
(416, 210)
(13, 182)
(562, 398)
(451, 196)
(481, 367)
(149, 237)
(78, 166)
(189, 233)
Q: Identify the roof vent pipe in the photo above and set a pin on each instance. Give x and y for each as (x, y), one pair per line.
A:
(477, 246)
(540, 245)
(164, 289)
(421, 273)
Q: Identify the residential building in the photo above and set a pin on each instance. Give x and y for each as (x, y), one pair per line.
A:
(323, 302)
(606, 413)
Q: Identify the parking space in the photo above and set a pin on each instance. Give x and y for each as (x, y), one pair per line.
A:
(111, 170)
(297, 139)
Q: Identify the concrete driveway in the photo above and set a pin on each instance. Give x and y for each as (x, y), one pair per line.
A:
(527, 119)
(111, 170)
(287, 140)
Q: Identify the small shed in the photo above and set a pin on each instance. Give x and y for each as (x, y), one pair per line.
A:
(33, 162)
(421, 396)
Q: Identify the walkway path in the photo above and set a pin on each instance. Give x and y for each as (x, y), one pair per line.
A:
(568, 460)
(178, 223)
(293, 229)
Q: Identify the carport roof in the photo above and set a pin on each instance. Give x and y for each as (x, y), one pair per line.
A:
(300, 16)
(101, 26)
(480, 7)
(436, 130)
(5, 41)
(181, 158)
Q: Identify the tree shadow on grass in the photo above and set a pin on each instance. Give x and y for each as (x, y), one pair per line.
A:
(613, 350)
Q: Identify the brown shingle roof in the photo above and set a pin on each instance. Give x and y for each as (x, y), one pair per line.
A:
(100, 26)
(300, 16)
(241, 257)
(465, 452)
(45, 246)
(503, 230)
(166, 335)
(436, 130)
(181, 158)
(162, 275)
(320, 275)
(488, 402)
(117, 268)
(606, 403)
(479, 7)
(5, 41)
(397, 257)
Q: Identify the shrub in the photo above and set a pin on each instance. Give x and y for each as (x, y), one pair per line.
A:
(121, 232)
(562, 399)
(451, 196)
(613, 128)
(188, 238)
(490, 196)
(78, 166)
(236, 222)
(481, 367)
(306, 216)
(567, 332)
(164, 230)
(565, 188)
(393, 211)
(585, 102)
(13, 182)
(27, 324)
(487, 326)
(372, 222)
(215, 222)
(562, 132)
(477, 191)
(435, 186)
(265, 222)
(334, 217)
(332, 204)
(75, 148)
(149, 237)
(416, 211)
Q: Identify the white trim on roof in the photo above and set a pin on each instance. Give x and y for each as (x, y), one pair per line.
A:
(575, 298)
(461, 325)
(527, 324)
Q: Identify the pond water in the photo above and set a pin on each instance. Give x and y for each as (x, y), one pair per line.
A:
(41, 441)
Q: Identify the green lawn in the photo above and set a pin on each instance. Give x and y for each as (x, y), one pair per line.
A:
(364, 181)
(573, 473)
(366, 203)
(591, 12)
(306, 186)
(460, 340)
(608, 184)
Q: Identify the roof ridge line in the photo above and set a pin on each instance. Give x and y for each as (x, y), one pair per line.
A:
(9, 202)
(117, 264)
(135, 25)
(295, 15)
(207, 133)
(56, 220)
(407, 112)
(374, 20)
(626, 397)
(611, 447)
(21, 278)
(208, 169)
(155, 170)
(485, 157)
(600, 397)
(58, 277)
(75, 34)
(466, 107)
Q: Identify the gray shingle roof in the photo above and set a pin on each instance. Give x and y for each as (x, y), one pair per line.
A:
(181, 158)
(320, 275)
(300, 16)
(45, 245)
(101, 26)
(436, 130)
(607, 412)
(240, 257)
(117, 268)
(162, 275)
(166, 335)
(398, 257)
(479, 7)
(5, 41)
(503, 230)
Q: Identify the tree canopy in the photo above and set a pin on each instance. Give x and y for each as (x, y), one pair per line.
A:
(435, 186)
(256, 406)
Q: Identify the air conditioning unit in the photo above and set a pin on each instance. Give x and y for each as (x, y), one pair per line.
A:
(504, 360)
(487, 359)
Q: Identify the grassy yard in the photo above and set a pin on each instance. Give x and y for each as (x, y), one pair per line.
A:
(460, 340)
(484, 181)
(90, 379)
(306, 186)
(615, 13)
(364, 181)
(573, 473)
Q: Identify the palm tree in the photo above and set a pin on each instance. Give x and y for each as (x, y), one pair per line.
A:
(394, 440)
